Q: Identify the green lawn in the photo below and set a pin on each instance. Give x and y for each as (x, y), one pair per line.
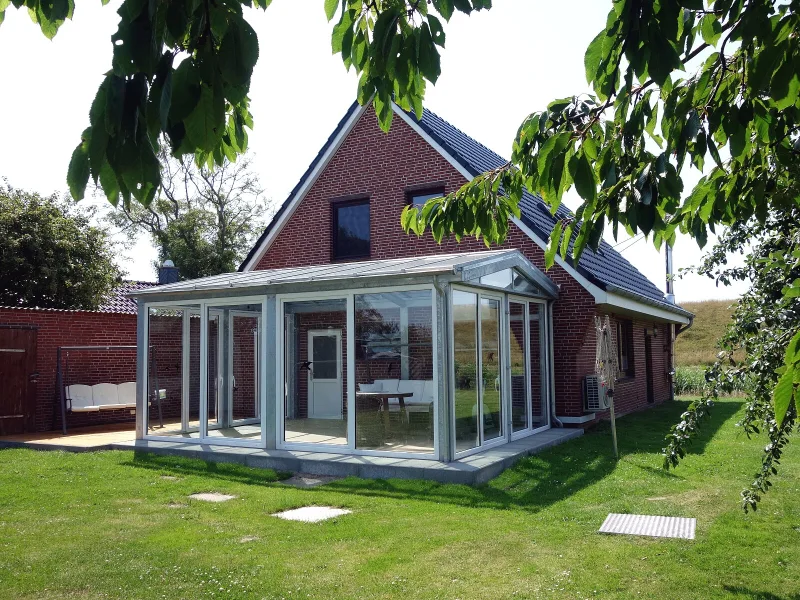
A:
(110, 525)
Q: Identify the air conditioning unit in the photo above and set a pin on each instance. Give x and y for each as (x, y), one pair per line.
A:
(594, 394)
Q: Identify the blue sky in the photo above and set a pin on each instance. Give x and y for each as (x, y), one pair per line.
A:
(498, 66)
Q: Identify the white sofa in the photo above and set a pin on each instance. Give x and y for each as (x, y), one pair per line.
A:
(103, 396)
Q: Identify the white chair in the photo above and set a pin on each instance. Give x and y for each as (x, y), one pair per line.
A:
(105, 396)
(370, 387)
(388, 385)
(80, 398)
(127, 394)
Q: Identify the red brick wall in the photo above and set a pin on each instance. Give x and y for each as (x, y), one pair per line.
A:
(630, 393)
(383, 167)
(78, 328)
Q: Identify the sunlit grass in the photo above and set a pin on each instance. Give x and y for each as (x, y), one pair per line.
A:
(119, 525)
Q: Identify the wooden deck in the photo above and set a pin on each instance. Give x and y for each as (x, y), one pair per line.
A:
(80, 438)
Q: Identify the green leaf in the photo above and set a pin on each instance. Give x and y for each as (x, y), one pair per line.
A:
(593, 56)
(437, 31)
(185, 91)
(204, 126)
(584, 178)
(429, 60)
(444, 8)
(108, 181)
(710, 29)
(78, 172)
(330, 8)
(552, 245)
(783, 394)
(166, 100)
(238, 52)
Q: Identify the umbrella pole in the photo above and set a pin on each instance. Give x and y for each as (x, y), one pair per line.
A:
(613, 423)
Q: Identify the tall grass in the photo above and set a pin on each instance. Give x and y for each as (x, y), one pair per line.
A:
(698, 344)
(690, 381)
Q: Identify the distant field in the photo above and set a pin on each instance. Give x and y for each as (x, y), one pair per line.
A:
(698, 345)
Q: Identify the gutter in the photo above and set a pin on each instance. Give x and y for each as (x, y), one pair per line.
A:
(610, 287)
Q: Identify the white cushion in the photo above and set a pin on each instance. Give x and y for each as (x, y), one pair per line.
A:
(115, 406)
(127, 392)
(428, 391)
(370, 387)
(388, 385)
(82, 409)
(104, 393)
(80, 395)
(413, 386)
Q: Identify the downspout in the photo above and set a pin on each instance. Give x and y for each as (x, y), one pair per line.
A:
(551, 365)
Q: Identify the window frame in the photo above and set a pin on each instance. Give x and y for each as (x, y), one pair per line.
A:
(345, 203)
(424, 190)
(625, 348)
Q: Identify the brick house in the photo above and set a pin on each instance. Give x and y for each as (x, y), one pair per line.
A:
(362, 340)
(360, 163)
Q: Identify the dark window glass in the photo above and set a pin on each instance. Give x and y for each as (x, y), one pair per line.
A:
(418, 199)
(625, 348)
(351, 229)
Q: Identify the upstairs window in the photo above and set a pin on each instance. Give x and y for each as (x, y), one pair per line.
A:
(351, 229)
(418, 198)
(625, 348)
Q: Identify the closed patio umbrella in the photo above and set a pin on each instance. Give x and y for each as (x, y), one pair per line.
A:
(606, 367)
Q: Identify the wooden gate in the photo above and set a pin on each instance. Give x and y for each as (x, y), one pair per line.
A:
(17, 379)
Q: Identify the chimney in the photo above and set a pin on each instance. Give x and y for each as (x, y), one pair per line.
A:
(167, 273)
(670, 272)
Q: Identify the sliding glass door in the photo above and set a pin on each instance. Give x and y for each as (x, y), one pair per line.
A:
(500, 372)
(528, 373)
(477, 369)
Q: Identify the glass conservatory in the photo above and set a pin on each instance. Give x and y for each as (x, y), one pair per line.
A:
(431, 357)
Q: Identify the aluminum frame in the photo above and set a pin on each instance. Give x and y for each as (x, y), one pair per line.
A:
(350, 448)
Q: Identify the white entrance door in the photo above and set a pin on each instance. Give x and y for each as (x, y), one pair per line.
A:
(325, 374)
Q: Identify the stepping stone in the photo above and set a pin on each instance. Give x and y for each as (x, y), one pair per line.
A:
(169, 478)
(649, 525)
(248, 538)
(304, 480)
(211, 497)
(312, 514)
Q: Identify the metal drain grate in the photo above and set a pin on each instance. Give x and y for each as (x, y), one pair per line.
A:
(649, 525)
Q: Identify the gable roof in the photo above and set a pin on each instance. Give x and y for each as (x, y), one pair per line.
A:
(605, 268)
(119, 300)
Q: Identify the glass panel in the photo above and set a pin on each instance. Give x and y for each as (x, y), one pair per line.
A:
(214, 371)
(501, 279)
(523, 284)
(465, 353)
(395, 389)
(352, 230)
(537, 364)
(315, 407)
(518, 358)
(490, 369)
(173, 372)
(241, 406)
(419, 200)
(325, 358)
